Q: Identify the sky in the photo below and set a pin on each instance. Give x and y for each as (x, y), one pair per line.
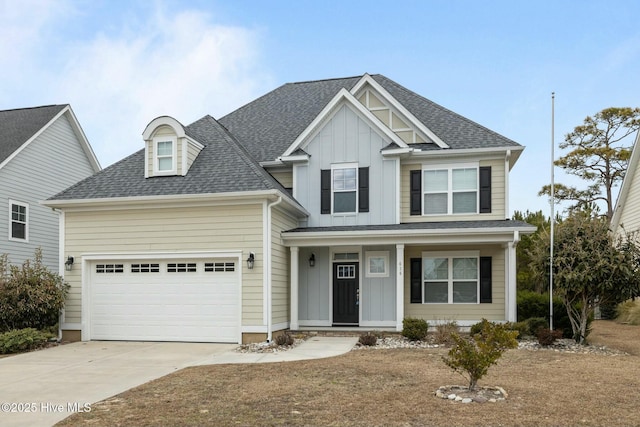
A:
(121, 63)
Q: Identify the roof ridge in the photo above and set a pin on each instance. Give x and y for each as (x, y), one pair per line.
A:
(34, 108)
(326, 80)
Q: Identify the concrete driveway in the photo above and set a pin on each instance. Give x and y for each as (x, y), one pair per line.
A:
(43, 387)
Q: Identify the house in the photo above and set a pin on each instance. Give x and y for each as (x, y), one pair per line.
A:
(43, 150)
(626, 214)
(342, 203)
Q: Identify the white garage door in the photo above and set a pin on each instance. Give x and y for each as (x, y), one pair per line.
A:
(193, 300)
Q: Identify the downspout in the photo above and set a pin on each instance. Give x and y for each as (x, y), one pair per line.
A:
(267, 263)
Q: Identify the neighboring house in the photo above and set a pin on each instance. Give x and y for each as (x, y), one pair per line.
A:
(338, 203)
(43, 150)
(626, 214)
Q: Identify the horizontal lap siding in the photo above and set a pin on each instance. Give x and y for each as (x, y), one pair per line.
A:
(458, 312)
(497, 195)
(215, 228)
(280, 266)
(285, 178)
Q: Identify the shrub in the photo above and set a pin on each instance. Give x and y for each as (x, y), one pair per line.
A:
(368, 339)
(284, 339)
(472, 357)
(628, 312)
(533, 304)
(536, 323)
(19, 340)
(547, 337)
(414, 329)
(31, 296)
(521, 327)
(444, 331)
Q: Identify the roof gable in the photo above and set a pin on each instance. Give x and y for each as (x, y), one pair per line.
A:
(627, 185)
(19, 127)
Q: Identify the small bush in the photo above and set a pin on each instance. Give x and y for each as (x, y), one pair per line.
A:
(521, 327)
(368, 339)
(414, 329)
(20, 340)
(547, 337)
(444, 331)
(533, 304)
(473, 357)
(628, 312)
(31, 296)
(285, 339)
(536, 323)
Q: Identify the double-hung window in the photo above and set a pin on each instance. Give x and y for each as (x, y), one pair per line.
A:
(450, 190)
(19, 221)
(450, 278)
(165, 161)
(344, 180)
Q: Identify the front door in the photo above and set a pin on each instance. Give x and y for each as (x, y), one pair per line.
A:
(345, 294)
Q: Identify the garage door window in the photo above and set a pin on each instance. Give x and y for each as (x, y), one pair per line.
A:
(109, 268)
(182, 267)
(213, 267)
(145, 268)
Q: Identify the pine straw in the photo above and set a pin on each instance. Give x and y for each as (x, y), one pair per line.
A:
(390, 388)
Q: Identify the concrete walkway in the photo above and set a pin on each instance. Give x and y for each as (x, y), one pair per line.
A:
(43, 387)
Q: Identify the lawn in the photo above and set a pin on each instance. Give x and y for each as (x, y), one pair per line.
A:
(391, 388)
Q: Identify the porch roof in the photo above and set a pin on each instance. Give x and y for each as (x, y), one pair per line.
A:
(441, 232)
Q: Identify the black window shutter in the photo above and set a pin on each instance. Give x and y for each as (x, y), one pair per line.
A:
(416, 280)
(485, 279)
(485, 189)
(325, 191)
(415, 192)
(363, 189)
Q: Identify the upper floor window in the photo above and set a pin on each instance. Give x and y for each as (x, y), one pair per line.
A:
(19, 221)
(165, 158)
(454, 189)
(345, 188)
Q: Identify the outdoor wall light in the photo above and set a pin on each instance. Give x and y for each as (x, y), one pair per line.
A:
(251, 260)
(312, 260)
(68, 265)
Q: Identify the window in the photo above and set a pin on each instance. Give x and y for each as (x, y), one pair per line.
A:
(450, 190)
(344, 180)
(346, 271)
(145, 268)
(19, 221)
(165, 156)
(182, 267)
(109, 268)
(377, 264)
(450, 278)
(211, 267)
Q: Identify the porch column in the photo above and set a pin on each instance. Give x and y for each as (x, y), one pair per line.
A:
(399, 286)
(511, 282)
(293, 325)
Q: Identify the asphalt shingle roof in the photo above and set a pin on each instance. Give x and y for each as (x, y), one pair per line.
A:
(17, 126)
(270, 124)
(222, 166)
(425, 226)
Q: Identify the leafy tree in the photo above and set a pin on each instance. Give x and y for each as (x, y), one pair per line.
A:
(526, 280)
(596, 156)
(589, 267)
(472, 357)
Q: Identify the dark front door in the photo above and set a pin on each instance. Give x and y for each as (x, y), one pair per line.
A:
(345, 294)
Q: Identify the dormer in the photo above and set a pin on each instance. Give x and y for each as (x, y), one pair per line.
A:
(168, 149)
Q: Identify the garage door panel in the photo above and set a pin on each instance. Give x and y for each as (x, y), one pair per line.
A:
(136, 304)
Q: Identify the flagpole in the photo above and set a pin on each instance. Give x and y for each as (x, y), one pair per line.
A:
(552, 198)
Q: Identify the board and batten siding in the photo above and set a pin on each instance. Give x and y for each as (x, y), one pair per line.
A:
(348, 138)
(162, 230)
(280, 266)
(51, 163)
(497, 195)
(493, 311)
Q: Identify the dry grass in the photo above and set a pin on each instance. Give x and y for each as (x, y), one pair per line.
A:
(390, 388)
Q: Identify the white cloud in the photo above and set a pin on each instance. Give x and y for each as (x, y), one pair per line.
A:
(179, 65)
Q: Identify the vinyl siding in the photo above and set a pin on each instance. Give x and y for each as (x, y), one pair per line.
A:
(285, 178)
(630, 215)
(497, 195)
(51, 163)
(461, 312)
(280, 270)
(204, 228)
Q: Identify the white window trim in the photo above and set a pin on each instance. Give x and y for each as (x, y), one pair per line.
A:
(377, 254)
(344, 166)
(451, 255)
(449, 168)
(26, 227)
(174, 155)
